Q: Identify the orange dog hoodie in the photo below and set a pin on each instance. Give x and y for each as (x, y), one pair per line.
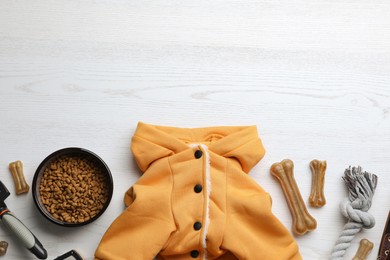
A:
(195, 199)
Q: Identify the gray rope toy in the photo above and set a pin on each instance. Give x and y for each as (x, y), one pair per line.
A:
(361, 187)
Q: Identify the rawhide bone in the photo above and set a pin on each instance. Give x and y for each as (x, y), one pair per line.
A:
(3, 247)
(317, 197)
(364, 249)
(302, 220)
(21, 185)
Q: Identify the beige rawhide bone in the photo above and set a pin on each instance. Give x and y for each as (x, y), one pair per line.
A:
(16, 169)
(317, 197)
(302, 220)
(365, 248)
(3, 247)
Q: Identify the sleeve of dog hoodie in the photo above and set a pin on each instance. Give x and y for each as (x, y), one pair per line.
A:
(143, 229)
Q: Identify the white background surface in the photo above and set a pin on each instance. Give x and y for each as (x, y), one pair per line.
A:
(312, 75)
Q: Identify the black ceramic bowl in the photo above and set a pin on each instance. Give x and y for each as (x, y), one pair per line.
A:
(74, 153)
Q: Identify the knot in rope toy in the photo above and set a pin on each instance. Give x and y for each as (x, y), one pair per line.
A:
(361, 186)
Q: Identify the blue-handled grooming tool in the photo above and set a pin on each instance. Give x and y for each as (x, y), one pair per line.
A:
(23, 234)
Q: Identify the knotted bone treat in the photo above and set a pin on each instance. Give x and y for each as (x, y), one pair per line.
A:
(317, 197)
(21, 185)
(364, 249)
(3, 247)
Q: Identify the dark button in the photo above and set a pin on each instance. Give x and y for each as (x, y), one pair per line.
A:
(198, 154)
(197, 226)
(194, 253)
(198, 188)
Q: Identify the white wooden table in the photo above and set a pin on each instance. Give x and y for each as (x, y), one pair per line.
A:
(314, 76)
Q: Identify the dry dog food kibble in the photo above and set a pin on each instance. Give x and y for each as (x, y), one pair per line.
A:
(73, 189)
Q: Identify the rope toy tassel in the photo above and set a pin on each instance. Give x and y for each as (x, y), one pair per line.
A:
(361, 186)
